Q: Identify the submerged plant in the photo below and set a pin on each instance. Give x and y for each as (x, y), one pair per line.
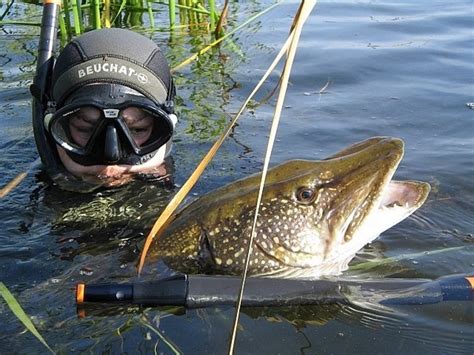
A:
(20, 314)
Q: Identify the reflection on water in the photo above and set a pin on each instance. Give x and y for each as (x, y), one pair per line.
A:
(400, 69)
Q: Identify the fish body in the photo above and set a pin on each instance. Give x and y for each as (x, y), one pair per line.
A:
(313, 218)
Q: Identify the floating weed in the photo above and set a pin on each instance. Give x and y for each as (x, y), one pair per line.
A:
(172, 346)
(370, 265)
(20, 314)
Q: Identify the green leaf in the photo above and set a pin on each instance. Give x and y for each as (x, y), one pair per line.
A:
(20, 314)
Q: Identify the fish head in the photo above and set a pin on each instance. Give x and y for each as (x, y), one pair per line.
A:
(328, 210)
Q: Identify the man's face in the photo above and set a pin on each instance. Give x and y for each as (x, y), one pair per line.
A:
(140, 123)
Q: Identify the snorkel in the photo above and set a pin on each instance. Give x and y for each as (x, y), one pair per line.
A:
(41, 85)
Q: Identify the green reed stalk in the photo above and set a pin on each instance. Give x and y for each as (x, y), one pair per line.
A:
(181, 6)
(172, 12)
(212, 10)
(150, 14)
(20, 23)
(194, 19)
(96, 12)
(136, 9)
(76, 11)
(65, 19)
(63, 26)
(119, 11)
(182, 12)
(105, 18)
(21, 315)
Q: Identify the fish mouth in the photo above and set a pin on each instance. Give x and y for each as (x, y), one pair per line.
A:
(372, 202)
(408, 194)
(399, 200)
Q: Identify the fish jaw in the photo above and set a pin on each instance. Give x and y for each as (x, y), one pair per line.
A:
(400, 200)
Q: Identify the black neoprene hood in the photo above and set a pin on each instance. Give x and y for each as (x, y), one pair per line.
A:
(113, 56)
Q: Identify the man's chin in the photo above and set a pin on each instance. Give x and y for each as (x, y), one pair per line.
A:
(107, 180)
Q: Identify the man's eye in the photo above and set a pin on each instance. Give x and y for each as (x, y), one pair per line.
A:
(85, 130)
(138, 130)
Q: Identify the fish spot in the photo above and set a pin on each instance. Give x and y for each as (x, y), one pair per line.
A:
(229, 261)
(236, 255)
(218, 261)
(276, 240)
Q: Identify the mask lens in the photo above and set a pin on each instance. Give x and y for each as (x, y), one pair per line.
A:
(141, 125)
(76, 127)
(147, 129)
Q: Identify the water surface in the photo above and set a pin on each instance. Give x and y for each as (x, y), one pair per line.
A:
(397, 68)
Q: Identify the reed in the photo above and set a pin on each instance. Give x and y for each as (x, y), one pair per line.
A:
(20, 314)
(78, 16)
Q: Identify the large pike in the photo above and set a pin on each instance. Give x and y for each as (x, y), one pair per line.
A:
(314, 216)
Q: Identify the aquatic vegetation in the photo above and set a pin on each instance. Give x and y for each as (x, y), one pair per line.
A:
(21, 315)
(79, 17)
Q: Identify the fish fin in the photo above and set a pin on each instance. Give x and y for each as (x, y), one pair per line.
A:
(205, 257)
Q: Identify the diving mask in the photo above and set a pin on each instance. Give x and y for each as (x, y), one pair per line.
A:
(93, 133)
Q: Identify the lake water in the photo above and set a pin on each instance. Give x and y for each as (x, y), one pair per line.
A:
(396, 68)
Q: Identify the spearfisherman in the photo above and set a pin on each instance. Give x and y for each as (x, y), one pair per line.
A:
(108, 111)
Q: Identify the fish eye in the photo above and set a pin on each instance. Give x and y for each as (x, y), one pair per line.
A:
(305, 194)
